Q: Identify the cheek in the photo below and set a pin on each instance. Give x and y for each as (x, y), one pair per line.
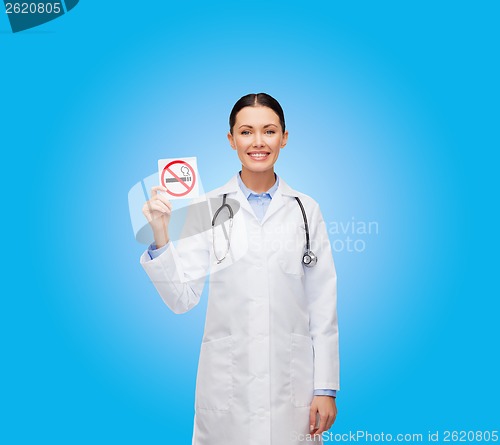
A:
(241, 153)
(277, 144)
(240, 142)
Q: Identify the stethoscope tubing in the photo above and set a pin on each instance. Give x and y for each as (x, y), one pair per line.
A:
(214, 219)
(306, 226)
(309, 259)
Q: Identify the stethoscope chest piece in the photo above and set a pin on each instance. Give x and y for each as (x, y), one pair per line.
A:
(309, 259)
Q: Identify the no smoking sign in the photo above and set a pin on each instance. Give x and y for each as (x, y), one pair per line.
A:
(180, 177)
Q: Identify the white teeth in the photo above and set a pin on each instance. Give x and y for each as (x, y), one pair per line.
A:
(258, 155)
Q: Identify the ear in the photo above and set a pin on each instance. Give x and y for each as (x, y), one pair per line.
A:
(284, 140)
(230, 138)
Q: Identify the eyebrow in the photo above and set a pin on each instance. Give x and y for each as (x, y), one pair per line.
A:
(265, 126)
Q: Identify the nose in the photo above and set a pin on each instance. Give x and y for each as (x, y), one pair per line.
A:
(258, 140)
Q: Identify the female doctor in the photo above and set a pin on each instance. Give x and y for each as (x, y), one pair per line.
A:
(268, 369)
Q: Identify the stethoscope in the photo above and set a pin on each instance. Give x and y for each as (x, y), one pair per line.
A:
(308, 259)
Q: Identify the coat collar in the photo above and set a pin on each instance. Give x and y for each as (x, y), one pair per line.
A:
(232, 187)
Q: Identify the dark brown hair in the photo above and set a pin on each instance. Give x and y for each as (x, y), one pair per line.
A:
(256, 100)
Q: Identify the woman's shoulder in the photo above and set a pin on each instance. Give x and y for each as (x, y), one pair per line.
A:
(306, 199)
(230, 186)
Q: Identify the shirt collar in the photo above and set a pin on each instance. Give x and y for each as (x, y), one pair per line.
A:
(247, 192)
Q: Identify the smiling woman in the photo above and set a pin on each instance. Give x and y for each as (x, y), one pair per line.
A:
(269, 367)
(257, 132)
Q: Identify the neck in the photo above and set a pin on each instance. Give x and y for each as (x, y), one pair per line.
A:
(259, 182)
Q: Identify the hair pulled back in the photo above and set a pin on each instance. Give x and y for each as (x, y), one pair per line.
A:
(257, 100)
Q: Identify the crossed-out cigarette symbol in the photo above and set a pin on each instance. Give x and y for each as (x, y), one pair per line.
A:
(187, 176)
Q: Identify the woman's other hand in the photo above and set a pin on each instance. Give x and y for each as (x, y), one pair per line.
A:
(326, 408)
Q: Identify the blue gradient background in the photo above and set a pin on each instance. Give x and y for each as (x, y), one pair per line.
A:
(392, 107)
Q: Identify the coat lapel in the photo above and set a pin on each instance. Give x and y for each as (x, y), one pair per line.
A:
(278, 201)
(283, 192)
(234, 191)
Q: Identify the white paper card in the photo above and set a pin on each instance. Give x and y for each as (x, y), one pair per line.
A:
(179, 176)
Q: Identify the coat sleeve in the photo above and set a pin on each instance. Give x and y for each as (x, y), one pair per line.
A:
(321, 291)
(179, 273)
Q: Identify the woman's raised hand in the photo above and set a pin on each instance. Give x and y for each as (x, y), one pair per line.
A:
(157, 211)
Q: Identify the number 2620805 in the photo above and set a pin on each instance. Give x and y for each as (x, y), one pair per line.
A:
(33, 8)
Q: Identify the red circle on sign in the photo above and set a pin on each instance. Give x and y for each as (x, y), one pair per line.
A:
(188, 188)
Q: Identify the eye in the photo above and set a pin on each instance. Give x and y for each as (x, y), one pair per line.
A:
(270, 132)
(245, 132)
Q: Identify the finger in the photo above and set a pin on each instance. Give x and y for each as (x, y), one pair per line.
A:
(146, 208)
(322, 423)
(331, 420)
(332, 417)
(147, 211)
(159, 207)
(164, 199)
(156, 189)
(312, 419)
(155, 207)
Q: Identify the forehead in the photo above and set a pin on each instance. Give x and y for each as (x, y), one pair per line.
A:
(257, 115)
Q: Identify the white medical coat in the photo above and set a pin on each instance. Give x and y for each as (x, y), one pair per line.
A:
(270, 334)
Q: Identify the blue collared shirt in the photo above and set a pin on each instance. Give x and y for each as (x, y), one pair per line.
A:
(259, 203)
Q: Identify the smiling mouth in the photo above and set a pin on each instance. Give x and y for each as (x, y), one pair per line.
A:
(258, 155)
